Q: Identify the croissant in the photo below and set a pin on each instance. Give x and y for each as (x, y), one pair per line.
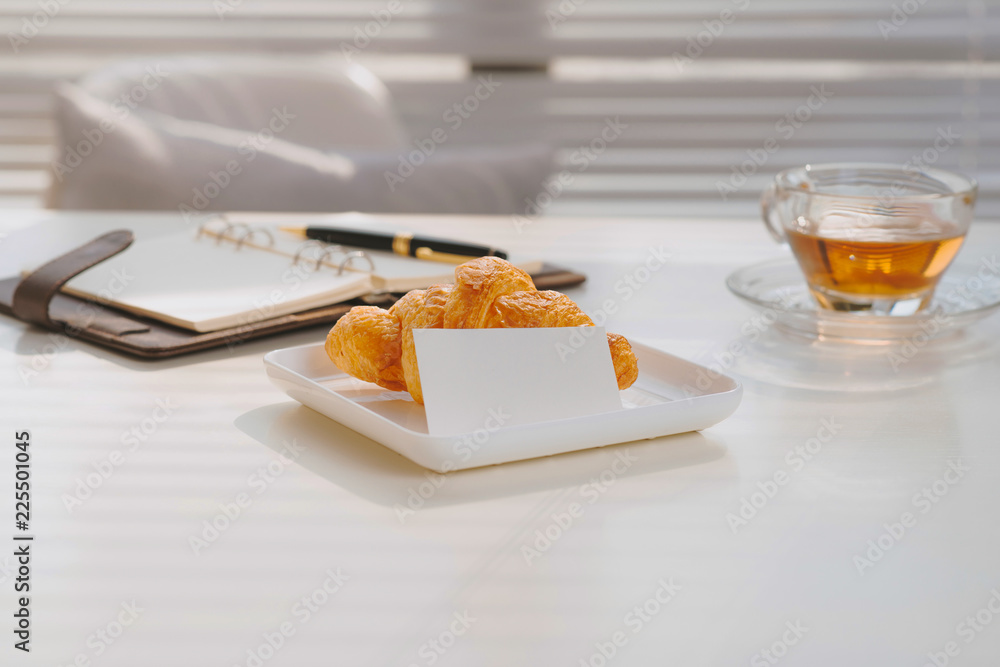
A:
(376, 345)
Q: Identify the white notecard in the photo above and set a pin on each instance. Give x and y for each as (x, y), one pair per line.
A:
(476, 379)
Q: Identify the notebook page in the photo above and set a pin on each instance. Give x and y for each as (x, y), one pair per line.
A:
(202, 285)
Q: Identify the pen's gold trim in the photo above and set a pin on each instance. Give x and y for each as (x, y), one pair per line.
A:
(401, 243)
(435, 256)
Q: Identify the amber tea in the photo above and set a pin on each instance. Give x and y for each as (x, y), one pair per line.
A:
(870, 238)
(892, 269)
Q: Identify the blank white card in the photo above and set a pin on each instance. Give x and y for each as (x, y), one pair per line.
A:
(484, 378)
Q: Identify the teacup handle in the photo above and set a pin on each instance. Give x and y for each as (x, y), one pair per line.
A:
(770, 215)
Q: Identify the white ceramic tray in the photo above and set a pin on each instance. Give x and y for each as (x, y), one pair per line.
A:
(671, 396)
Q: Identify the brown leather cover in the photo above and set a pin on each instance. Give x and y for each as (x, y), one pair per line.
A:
(36, 299)
(32, 295)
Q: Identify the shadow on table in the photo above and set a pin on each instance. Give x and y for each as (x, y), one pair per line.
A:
(376, 473)
(793, 361)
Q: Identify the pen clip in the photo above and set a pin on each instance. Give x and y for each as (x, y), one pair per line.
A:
(435, 256)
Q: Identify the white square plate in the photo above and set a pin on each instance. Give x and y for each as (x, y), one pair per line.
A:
(670, 396)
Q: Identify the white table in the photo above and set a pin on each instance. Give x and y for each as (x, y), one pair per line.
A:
(789, 581)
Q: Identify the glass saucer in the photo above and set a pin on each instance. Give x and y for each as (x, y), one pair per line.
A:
(965, 294)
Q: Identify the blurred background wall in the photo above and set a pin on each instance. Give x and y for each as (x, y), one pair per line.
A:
(656, 107)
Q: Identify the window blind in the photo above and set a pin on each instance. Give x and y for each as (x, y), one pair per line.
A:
(700, 91)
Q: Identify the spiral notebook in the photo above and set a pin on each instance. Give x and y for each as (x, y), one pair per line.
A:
(228, 275)
(108, 257)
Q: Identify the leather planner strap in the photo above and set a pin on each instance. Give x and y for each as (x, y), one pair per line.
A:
(33, 294)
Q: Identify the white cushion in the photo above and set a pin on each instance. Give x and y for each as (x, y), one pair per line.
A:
(212, 138)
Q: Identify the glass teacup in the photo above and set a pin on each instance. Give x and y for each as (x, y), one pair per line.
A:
(870, 237)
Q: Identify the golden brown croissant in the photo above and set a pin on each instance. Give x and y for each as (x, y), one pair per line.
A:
(377, 346)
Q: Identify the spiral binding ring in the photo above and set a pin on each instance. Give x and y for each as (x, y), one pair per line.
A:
(329, 251)
(351, 256)
(300, 252)
(251, 231)
(203, 227)
(224, 235)
(231, 229)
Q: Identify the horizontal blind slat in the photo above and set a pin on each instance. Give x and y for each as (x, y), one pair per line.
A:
(688, 127)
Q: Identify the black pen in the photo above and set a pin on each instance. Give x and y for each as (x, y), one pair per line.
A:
(401, 243)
